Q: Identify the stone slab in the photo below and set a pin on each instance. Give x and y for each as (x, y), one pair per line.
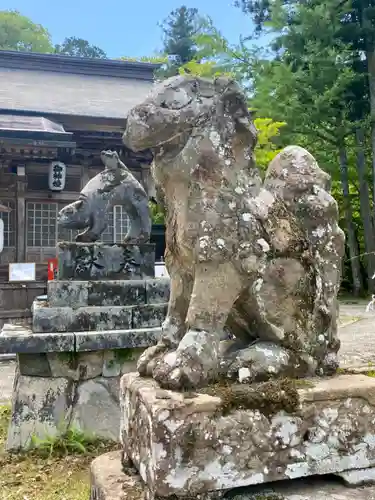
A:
(78, 341)
(97, 318)
(117, 293)
(67, 293)
(39, 406)
(116, 339)
(78, 366)
(110, 482)
(98, 261)
(184, 442)
(75, 294)
(56, 391)
(66, 319)
(149, 315)
(97, 407)
(37, 342)
(157, 291)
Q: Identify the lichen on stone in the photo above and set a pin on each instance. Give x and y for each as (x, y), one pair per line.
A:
(260, 257)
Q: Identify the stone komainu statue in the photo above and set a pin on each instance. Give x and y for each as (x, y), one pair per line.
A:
(115, 185)
(259, 259)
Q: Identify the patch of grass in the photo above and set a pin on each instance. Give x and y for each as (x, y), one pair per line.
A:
(70, 441)
(57, 469)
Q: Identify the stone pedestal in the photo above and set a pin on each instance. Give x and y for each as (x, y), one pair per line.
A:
(98, 261)
(189, 444)
(103, 287)
(104, 309)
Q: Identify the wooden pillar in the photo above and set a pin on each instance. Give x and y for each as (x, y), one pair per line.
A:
(85, 177)
(21, 214)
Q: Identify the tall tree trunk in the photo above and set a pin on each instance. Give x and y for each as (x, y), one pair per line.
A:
(371, 79)
(352, 245)
(365, 209)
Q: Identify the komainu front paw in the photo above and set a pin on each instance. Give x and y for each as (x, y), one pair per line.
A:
(262, 361)
(149, 358)
(193, 364)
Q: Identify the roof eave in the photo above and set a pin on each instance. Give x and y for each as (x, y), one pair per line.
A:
(78, 65)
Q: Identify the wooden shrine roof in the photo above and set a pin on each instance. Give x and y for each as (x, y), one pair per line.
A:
(56, 84)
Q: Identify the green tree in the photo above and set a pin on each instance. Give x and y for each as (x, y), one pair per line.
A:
(78, 47)
(157, 59)
(18, 32)
(179, 31)
(355, 27)
(266, 148)
(316, 85)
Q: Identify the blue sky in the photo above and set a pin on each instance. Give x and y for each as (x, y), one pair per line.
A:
(123, 27)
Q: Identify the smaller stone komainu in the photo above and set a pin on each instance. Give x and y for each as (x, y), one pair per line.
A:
(258, 259)
(115, 185)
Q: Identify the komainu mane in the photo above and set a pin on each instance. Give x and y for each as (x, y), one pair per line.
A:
(258, 259)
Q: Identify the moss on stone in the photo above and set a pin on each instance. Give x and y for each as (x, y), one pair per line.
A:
(371, 373)
(131, 354)
(70, 358)
(268, 397)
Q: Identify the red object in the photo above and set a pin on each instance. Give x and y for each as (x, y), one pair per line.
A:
(52, 269)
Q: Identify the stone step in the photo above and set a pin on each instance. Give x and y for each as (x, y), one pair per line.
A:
(27, 342)
(98, 261)
(75, 294)
(97, 318)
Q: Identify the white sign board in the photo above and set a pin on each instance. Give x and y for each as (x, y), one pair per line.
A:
(57, 176)
(161, 270)
(22, 271)
(1, 235)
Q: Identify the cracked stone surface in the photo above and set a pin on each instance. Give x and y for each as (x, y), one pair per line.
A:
(258, 258)
(181, 441)
(110, 482)
(55, 391)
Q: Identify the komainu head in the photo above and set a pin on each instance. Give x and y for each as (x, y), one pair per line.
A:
(182, 105)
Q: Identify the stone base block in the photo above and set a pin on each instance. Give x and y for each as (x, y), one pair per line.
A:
(97, 318)
(98, 261)
(56, 391)
(109, 481)
(187, 444)
(358, 477)
(66, 293)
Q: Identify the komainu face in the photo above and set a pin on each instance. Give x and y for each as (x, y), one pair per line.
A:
(179, 105)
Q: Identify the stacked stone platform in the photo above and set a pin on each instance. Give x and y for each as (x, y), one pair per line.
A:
(102, 311)
(102, 287)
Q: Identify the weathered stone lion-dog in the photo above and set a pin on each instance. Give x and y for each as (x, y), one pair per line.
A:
(260, 259)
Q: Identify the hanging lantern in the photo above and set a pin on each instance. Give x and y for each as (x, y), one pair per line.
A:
(57, 176)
